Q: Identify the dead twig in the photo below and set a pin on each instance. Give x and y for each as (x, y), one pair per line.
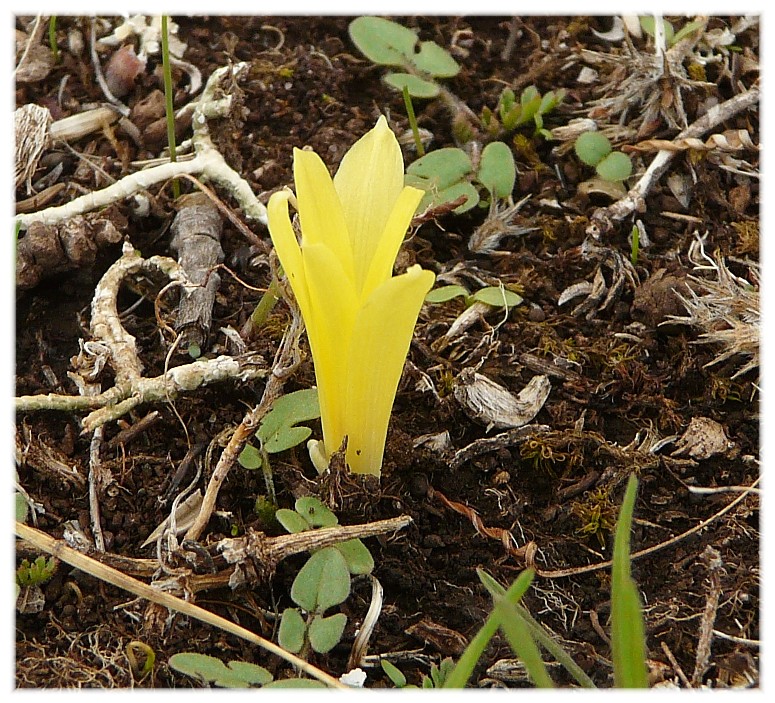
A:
(603, 219)
(207, 161)
(286, 361)
(112, 344)
(114, 577)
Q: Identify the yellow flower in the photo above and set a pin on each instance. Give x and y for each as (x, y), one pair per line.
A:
(359, 317)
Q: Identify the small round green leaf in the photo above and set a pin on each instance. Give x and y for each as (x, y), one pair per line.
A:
(250, 458)
(325, 633)
(592, 147)
(393, 673)
(436, 198)
(383, 41)
(291, 520)
(292, 629)
(497, 171)
(251, 673)
(615, 167)
(357, 556)
(200, 666)
(286, 438)
(445, 293)
(497, 297)
(324, 581)
(443, 167)
(315, 513)
(434, 60)
(417, 87)
(296, 683)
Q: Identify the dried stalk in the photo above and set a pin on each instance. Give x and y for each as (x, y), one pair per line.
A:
(208, 162)
(196, 238)
(603, 219)
(286, 361)
(105, 573)
(112, 344)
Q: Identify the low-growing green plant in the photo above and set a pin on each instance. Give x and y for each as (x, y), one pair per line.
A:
(448, 174)
(235, 674)
(388, 43)
(648, 24)
(52, 38)
(496, 296)
(279, 430)
(322, 583)
(594, 149)
(532, 106)
(35, 573)
(525, 634)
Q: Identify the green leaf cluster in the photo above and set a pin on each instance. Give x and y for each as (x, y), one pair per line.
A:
(279, 429)
(447, 174)
(322, 583)
(35, 573)
(388, 43)
(594, 149)
(532, 106)
(495, 296)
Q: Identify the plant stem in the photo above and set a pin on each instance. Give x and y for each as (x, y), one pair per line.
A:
(413, 122)
(52, 37)
(169, 107)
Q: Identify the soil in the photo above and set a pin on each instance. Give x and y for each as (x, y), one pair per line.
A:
(623, 373)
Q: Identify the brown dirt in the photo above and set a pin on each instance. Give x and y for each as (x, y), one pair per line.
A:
(615, 374)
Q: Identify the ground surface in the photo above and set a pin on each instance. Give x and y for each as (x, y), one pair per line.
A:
(617, 376)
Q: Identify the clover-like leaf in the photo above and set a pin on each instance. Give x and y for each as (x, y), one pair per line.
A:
(382, 41)
(250, 458)
(443, 167)
(296, 683)
(497, 171)
(592, 147)
(324, 581)
(615, 167)
(417, 87)
(443, 174)
(292, 630)
(445, 293)
(277, 431)
(357, 556)
(315, 513)
(212, 670)
(291, 520)
(325, 633)
(434, 60)
(390, 44)
(497, 297)
(434, 198)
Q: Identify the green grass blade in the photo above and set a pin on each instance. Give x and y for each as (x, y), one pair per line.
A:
(628, 639)
(465, 665)
(540, 635)
(554, 648)
(523, 644)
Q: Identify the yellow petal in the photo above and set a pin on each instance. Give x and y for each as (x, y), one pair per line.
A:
(333, 310)
(380, 342)
(369, 181)
(393, 233)
(320, 212)
(287, 248)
